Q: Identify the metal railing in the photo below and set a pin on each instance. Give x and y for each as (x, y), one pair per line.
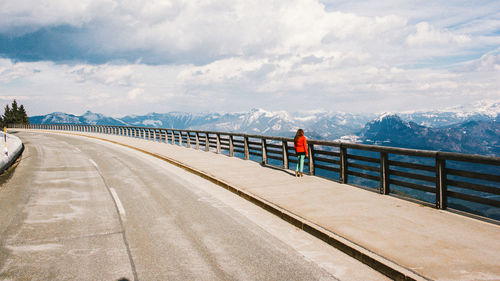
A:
(470, 183)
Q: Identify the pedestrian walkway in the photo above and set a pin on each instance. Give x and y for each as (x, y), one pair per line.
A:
(404, 240)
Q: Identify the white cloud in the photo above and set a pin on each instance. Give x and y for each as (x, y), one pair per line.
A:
(236, 54)
(134, 93)
(426, 34)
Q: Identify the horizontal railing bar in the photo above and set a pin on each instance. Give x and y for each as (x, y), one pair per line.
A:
(329, 153)
(273, 145)
(388, 149)
(275, 157)
(412, 165)
(274, 151)
(413, 185)
(254, 153)
(326, 160)
(474, 158)
(474, 175)
(412, 176)
(363, 158)
(361, 175)
(474, 186)
(364, 167)
(472, 198)
(255, 147)
(333, 169)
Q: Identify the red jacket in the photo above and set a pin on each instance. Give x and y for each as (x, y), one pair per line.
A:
(301, 145)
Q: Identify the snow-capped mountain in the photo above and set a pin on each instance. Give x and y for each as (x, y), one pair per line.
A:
(474, 137)
(89, 118)
(435, 130)
(320, 125)
(485, 110)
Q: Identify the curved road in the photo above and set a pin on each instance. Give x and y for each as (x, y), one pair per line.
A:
(82, 209)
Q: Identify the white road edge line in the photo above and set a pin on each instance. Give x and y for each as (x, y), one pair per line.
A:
(93, 163)
(121, 210)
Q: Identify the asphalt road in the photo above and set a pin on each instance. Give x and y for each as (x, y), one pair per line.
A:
(81, 209)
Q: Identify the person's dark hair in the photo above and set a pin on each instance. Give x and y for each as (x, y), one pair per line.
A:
(299, 134)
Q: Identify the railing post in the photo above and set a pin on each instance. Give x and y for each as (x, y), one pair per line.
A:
(311, 159)
(217, 140)
(172, 136)
(207, 142)
(231, 146)
(343, 164)
(441, 185)
(284, 145)
(180, 138)
(247, 151)
(197, 139)
(264, 151)
(188, 134)
(384, 173)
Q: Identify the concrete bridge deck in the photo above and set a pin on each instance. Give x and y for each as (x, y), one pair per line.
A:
(398, 237)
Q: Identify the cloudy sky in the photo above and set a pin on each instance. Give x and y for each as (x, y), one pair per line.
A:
(121, 57)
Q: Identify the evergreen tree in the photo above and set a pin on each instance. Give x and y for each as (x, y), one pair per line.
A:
(14, 114)
(7, 115)
(23, 115)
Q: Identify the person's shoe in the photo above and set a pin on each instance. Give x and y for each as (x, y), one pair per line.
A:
(296, 174)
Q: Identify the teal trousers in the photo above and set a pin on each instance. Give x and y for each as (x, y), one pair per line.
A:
(300, 163)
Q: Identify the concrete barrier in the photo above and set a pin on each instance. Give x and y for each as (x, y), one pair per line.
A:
(14, 148)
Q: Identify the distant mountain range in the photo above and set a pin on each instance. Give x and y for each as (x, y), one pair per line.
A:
(475, 137)
(89, 118)
(320, 125)
(469, 129)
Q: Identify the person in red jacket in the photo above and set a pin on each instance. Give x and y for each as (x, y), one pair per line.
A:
(300, 144)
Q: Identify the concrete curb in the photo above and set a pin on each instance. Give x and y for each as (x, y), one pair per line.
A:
(16, 148)
(381, 264)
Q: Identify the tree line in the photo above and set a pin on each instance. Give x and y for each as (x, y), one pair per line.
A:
(14, 114)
